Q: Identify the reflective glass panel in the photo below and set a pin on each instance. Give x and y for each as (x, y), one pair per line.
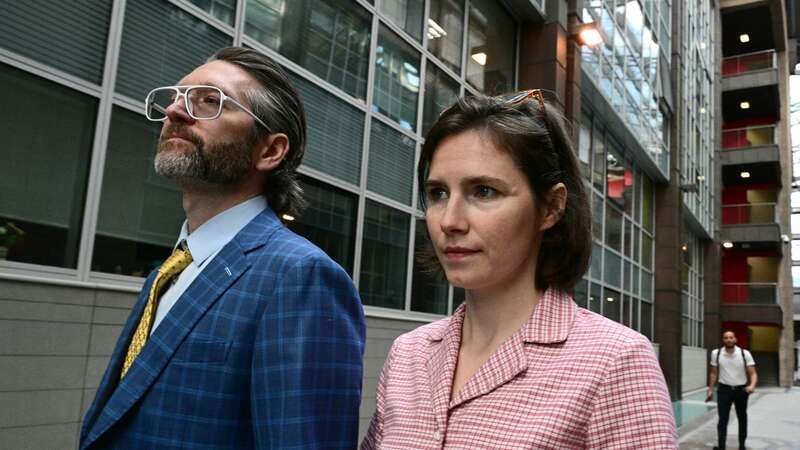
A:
(612, 268)
(441, 91)
(329, 221)
(397, 80)
(336, 133)
(140, 212)
(384, 254)
(328, 37)
(406, 14)
(391, 163)
(611, 304)
(47, 142)
(428, 289)
(580, 293)
(613, 228)
(69, 36)
(446, 31)
(490, 47)
(176, 44)
(595, 298)
(224, 10)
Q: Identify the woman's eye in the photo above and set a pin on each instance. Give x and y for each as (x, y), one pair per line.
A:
(485, 192)
(435, 194)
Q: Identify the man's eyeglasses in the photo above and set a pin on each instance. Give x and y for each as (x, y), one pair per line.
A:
(201, 102)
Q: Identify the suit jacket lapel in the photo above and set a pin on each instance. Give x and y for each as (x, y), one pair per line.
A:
(111, 376)
(229, 264)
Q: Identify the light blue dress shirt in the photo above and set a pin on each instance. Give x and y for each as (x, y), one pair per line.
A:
(204, 243)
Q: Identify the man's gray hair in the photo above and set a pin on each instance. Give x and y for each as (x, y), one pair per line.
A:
(278, 104)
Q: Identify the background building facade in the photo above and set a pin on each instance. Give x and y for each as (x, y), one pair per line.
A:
(86, 218)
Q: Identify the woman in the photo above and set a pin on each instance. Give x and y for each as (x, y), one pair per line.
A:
(518, 365)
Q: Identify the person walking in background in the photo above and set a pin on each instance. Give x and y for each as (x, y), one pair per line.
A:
(519, 364)
(733, 370)
(248, 336)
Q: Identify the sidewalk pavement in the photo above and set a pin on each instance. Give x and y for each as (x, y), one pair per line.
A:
(773, 423)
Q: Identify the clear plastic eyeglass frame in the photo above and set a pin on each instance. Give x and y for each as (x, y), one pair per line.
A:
(181, 91)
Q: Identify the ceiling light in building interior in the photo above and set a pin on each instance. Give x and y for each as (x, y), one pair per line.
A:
(589, 36)
(287, 217)
(701, 178)
(745, 174)
(479, 58)
(685, 248)
(435, 31)
(727, 244)
(744, 38)
(702, 110)
(702, 46)
(744, 105)
(610, 299)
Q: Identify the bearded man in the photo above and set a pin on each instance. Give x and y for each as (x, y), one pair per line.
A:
(248, 336)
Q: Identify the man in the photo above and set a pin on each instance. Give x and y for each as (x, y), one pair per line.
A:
(735, 370)
(248, 336)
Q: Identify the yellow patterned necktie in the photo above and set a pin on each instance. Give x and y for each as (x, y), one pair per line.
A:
(174, 265)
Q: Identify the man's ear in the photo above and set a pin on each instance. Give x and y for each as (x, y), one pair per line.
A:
(271, 152)
(555, 202)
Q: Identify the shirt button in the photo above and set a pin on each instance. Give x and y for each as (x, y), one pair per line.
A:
(437, 435)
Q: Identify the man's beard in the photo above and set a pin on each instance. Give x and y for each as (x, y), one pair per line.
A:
(225, 163)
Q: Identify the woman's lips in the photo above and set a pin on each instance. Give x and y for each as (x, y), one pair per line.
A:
(458, 253)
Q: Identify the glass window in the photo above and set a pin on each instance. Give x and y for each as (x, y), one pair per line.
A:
(47, 142)
(628, 237)
(441, 91)
(580, 293)
(796, 276)
(459, 295)
(647, 286)
(647, 203)
(626, 310)
(597, 217)
(626, 275)
(795, 195)
(176, 43)
(795, 250)
(596, 268)
(406, 14)
(612, 268)
(795, 223)
(383, 256)
(615, 177)
(428, 289)
(140, 212)
(396, 79)
(490, 43)
(391, 163)
(635, 313)
(585, 146)
(224, 10)
(70, 36)
(599, 163)
(595, 298)
(446, 31)
(627, 188)
(336, 134)
(329, 221)
(330, 38)
(611, 304)
(647, 251)
(613, 228)
(646, 320)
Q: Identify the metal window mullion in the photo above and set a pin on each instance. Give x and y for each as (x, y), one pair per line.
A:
(49, 73)
(410, 262)
(465, 44)
(99, 146)
(373, 45)
(238, 22)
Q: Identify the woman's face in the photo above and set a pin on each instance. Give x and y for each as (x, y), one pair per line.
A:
(481, 215)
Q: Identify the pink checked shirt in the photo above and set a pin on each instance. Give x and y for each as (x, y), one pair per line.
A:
(568, 379)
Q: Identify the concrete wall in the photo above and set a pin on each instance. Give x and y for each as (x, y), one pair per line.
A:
(694, 373)
(55, 343)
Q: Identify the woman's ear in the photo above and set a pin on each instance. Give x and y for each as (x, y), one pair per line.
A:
(555, 203)
(271, 152)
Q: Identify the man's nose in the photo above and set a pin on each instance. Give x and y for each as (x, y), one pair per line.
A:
(177, 112)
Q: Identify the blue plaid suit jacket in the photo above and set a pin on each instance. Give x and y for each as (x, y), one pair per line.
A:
(263, 350)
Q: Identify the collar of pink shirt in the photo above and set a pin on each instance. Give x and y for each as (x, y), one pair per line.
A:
(549, 324)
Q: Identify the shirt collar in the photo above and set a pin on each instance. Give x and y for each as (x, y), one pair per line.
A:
(550, 322)
(212, 235)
